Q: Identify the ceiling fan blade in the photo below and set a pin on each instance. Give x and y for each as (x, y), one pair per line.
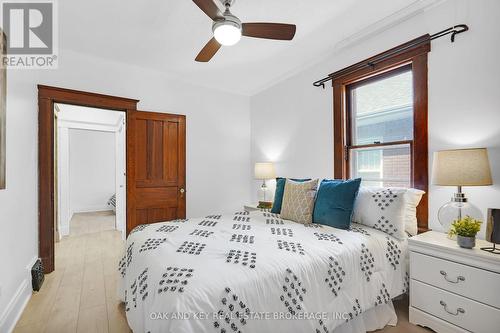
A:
(209, 8)
(208, 51)
(278, 31)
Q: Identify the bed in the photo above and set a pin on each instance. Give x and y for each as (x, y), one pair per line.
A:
(112, 202)
(255, 272)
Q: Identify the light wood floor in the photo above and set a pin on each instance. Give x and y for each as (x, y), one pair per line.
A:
(80, 295)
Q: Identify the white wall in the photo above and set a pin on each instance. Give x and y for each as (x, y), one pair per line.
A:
(91, 170)
(218, 151)
(292, 122)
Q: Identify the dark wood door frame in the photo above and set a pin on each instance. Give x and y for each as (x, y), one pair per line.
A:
(47, 96)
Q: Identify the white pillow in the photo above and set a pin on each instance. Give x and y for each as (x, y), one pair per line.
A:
(389, 209)
(412, 197)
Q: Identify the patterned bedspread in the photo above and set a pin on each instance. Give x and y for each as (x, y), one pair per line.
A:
(254, 272)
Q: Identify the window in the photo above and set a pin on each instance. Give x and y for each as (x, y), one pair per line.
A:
(380, 120)
(380, 114)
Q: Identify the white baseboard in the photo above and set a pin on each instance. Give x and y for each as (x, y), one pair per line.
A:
(15, 307)
(64, 230)
(30, 264)
(91, 210)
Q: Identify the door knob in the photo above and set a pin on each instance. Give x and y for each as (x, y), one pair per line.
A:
(182, 190)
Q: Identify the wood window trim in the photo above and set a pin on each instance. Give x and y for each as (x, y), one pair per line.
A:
(414, 54)
(47, 96)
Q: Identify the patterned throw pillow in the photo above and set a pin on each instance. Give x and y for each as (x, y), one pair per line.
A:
(382, 209)
(280, 190)
(298, 201)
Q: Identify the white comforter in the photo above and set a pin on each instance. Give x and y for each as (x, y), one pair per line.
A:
(256, 273)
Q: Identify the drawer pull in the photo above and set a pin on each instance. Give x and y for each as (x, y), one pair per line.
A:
(457, 280)
(456, 313)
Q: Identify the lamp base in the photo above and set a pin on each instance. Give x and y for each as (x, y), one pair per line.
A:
(491, 249)
(265, 204)
(457, 209)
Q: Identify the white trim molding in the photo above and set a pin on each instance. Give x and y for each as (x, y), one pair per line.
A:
(86, 125)
(90, 209)
(369, 31)
(14, 309)
(388, 22)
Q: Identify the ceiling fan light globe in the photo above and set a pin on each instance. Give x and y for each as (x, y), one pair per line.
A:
(227, 33)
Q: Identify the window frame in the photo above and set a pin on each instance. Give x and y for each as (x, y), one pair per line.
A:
(390, 144)
(349, 146)
(412, 54)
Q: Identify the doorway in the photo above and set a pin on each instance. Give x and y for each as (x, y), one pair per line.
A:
(155, 163)
(90, 169)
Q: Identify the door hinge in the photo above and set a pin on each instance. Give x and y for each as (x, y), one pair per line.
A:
(346, 153)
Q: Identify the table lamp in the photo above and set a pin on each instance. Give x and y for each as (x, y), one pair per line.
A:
(460, 167)
(264, 171)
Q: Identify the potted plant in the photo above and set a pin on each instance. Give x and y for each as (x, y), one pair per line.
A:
(465, 229)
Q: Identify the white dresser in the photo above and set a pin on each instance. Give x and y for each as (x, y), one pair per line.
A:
(453, 289)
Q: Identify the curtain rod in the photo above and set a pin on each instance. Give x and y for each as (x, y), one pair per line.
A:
(455, 30)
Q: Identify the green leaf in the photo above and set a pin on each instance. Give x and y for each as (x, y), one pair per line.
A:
(466, 227)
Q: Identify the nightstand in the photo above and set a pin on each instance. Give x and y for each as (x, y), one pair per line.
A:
(250, 208)
(253, 207)
(453, 289)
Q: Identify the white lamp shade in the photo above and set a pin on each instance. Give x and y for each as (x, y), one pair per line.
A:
(461, 167)
(264, 170)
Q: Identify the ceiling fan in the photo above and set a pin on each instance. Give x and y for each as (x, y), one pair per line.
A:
(228, 29)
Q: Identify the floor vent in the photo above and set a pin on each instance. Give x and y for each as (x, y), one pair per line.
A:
(37, 275)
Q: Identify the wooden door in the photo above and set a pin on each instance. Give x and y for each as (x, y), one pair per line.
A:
(156, 167)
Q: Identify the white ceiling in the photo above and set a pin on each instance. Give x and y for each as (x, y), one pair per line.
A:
(166, 35)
